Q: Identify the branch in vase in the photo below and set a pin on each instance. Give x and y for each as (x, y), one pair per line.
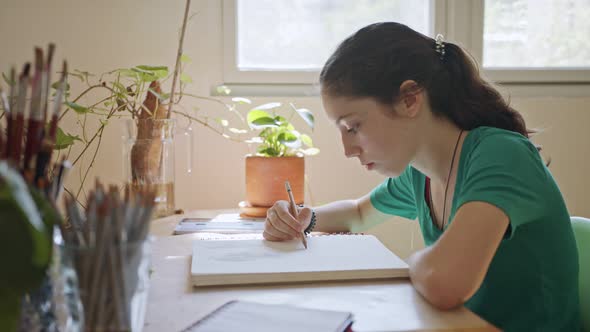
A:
(178, 55)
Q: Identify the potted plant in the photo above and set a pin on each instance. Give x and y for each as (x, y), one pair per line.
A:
(279, 157)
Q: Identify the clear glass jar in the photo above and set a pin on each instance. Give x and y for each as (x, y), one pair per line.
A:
(55, 305)
(149, 161)
(113, 284)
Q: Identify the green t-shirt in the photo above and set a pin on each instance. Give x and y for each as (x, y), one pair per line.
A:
(532, 281)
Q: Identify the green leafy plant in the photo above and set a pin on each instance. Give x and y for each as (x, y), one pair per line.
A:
(276, 135)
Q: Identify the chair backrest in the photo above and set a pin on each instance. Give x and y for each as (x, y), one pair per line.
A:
(581, 228)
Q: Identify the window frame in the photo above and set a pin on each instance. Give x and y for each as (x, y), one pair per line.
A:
(461, 21)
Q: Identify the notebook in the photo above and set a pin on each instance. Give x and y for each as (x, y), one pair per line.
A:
(256, 261)
(242, 316)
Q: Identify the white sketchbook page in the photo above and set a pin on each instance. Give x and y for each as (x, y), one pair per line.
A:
(254, 258)
(251, 316)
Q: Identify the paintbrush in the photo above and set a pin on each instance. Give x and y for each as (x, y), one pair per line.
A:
(47, 80)
(17, 122)
(12, 82)
(48, 143)
(35, 123)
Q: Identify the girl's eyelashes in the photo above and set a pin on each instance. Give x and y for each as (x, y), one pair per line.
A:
(353, 129)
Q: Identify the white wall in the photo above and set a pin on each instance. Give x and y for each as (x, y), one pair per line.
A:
(98, 36)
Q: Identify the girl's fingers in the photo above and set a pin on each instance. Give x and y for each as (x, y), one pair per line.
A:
(276, 234)
(281, 208)
(269, 237)
(280, 224)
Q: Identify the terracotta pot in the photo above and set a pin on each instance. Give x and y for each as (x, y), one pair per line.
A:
(266, 176)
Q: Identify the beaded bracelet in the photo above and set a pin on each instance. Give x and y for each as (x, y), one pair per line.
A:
(311, 223)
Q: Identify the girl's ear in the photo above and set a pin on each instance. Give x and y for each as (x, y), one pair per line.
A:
(411, 96)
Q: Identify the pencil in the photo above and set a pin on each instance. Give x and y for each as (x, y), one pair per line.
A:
(294, 211)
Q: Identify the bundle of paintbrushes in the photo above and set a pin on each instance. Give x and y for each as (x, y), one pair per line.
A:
(107, 243)
(31, 123)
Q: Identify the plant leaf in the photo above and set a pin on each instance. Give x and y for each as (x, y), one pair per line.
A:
(269, 152)
(76, 107)
(255, 140)
(223, 90)
(63, 140)
(311, 151)
(185, 59)
(281, 120)
(158, 71)
(306, 140)
(128, 73)
(55, 86)
(26, 229)
(289, 140)
(160, 96)
(238, 131)
(263, 123)
(145, 75)
(185, 78)
(120, 88)
(152, 68)
(256, 114)
(241, 100)
(307, 116)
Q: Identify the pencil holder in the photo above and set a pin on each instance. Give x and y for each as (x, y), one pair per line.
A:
(113, 283)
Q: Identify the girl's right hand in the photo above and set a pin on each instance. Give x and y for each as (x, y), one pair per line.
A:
(281, 225)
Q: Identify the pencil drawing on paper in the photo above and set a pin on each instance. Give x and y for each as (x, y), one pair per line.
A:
(245, 256)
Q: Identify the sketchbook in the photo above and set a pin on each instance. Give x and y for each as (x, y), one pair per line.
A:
(238, 316)
(328, 258)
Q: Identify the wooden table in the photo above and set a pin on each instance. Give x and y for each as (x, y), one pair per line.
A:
(391, 305)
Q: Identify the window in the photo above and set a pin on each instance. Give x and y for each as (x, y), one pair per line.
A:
(533, 40)
(269, 41)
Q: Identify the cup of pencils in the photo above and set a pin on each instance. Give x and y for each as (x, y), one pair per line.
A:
(108, 246)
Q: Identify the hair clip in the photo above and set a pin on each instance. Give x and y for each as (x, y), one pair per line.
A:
(440, 45)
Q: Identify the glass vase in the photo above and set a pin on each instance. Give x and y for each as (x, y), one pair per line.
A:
(148, 158)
